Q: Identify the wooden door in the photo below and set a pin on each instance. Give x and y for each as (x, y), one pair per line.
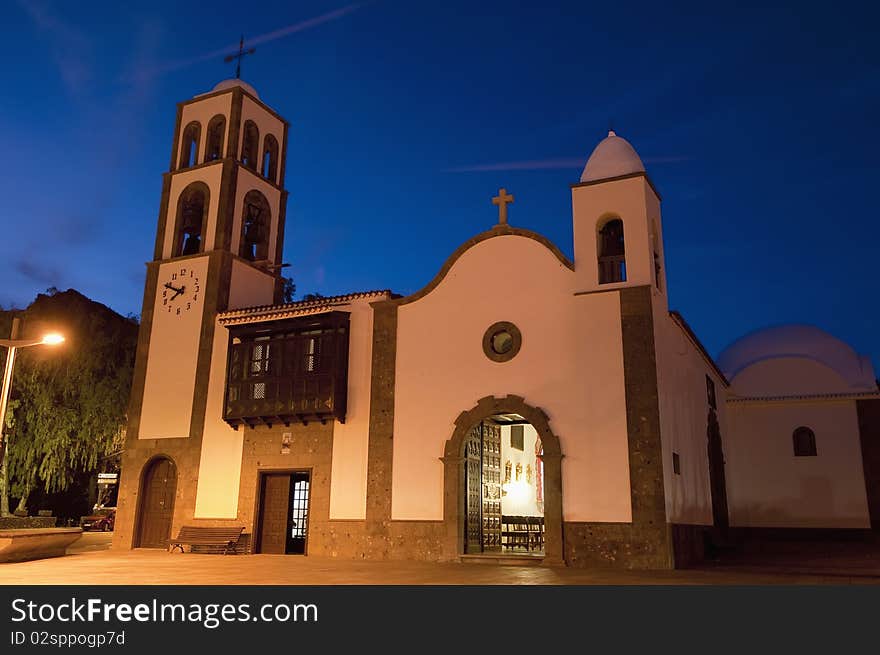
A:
(472, 492)
(491, 486)
(157, 504)
(274, 512)
(717, 479)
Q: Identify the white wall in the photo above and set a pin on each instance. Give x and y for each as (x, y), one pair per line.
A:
(220, 459)
(249, 287)
(348, 479)
(171, 366)
(520, 498)
(570, 365)
(769, 487)
(684, 409)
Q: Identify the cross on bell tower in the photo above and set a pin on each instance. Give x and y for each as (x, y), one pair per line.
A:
(239, 56)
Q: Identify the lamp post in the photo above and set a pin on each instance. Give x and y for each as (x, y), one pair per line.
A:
(12, 344)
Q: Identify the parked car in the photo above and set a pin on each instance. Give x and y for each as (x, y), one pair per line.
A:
(101, 519)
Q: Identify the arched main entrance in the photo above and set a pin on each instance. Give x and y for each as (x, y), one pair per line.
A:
(462, 464)
(156, 504)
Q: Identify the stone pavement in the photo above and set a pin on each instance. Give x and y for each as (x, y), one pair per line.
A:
(91, 562)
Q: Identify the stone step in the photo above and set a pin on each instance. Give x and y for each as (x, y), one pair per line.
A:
(503, 560)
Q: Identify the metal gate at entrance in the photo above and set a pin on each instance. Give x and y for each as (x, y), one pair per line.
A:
(483, 485)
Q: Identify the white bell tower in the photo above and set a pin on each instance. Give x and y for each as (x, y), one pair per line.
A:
(218, 247)
(618, 240)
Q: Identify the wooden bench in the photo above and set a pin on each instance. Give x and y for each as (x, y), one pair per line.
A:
(224, 538)
(522, 532)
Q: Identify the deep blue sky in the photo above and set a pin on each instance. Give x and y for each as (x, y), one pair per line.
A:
(758, 125)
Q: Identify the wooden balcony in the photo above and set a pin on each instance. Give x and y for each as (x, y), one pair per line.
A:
(285, 372)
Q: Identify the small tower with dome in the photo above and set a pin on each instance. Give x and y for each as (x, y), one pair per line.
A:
(616, 212)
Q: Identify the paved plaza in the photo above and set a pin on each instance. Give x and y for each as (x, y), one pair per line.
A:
(90, 561)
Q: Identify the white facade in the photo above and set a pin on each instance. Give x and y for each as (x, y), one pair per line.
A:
(570, 365)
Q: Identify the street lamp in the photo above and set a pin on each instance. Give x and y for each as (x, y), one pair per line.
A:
(12, 344)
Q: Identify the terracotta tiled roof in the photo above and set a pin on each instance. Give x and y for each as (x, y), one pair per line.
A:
(300, 308)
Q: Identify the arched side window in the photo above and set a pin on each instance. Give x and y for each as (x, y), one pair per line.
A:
(216, 134)
(612, 253)
(256, 218)
(804, 442)
(189, 145)
(250, 146)
(192, 213)
(270, 158)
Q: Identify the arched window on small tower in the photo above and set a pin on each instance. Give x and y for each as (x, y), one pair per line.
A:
(256, 219)
(192, 211)
(189, 145)
(216, 133)
(612, 253)
(250, 146)
(270, 158)
(804, 442)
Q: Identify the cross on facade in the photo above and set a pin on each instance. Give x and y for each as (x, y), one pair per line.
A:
(239, 56)
(502, 200)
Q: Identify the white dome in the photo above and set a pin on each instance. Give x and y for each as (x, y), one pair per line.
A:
(802, 342)
(613, 157)
(233, 82)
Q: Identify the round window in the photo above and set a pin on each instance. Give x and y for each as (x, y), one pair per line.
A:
(502, 341)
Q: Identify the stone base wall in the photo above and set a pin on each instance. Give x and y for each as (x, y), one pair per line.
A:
(689, 544)
(617, 545)
(138, 454)
(396, 540)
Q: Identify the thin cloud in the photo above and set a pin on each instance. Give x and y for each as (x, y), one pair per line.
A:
(38, 274)
(253, 41)
(70, 48)
(551, 164)
(530, 165)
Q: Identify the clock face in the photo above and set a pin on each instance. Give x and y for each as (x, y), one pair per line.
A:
(180, 291)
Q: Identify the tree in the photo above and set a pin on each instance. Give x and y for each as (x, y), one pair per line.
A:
(69, 403)
(288, 289)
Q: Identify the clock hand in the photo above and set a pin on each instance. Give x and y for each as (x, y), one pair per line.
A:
(177, 292)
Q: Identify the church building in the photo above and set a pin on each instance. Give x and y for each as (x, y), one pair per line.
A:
(521, 406)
